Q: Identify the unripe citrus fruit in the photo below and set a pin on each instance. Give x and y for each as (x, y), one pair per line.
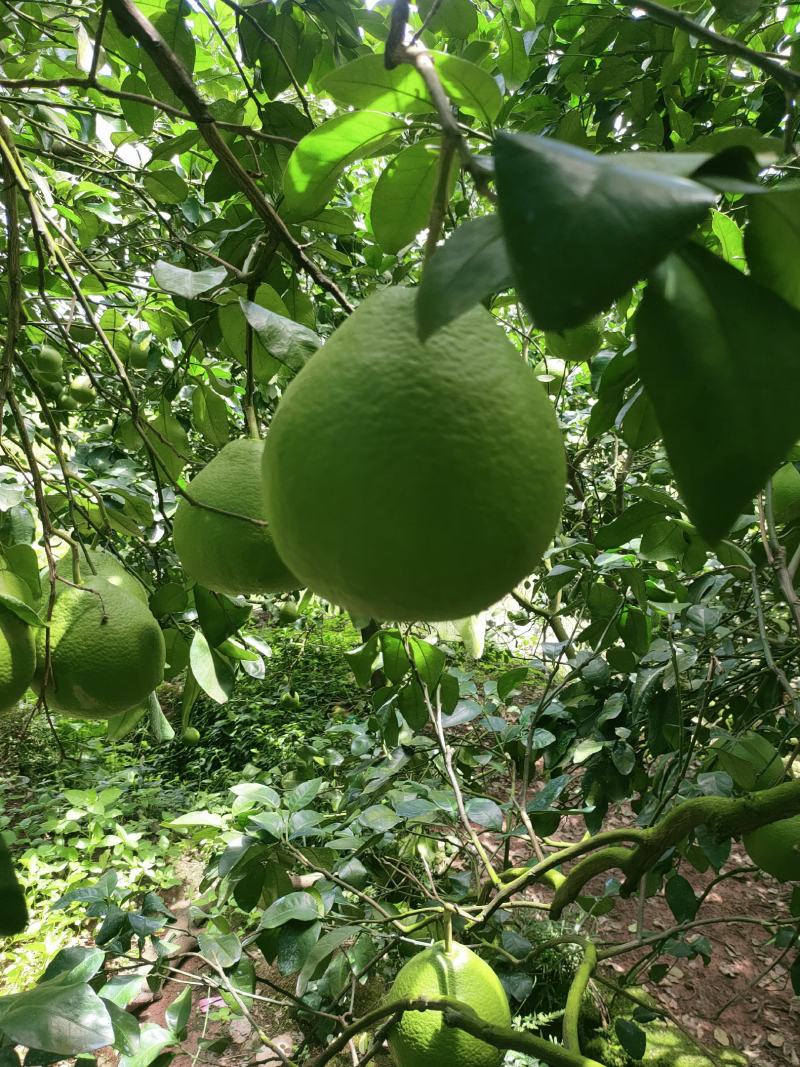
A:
(224, 553)
(576, 344)
(751, 761)
(17, 645)
(775, 848)
(659, 472)
(81, 390)
(49, 362)
(786, 493)
(551, 373)
(413, 481)
(66, 401)
(106, 566)
(190, 736)
(106, 651)
(422, 1038)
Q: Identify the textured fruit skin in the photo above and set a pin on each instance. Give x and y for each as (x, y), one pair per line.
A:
(17, 649)
(422, 1038)
(786, 493)
(408, 481)
(771, 849)
(751, 761)
(576, 344)
(107, 651)
(224, 554)
(105, 566)
(190, 736)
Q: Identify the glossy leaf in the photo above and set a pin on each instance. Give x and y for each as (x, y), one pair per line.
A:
(565, 211)
(470, 265)
(717, 354)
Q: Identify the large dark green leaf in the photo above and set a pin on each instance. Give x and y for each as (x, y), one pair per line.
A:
(468, 267)
(63, 1015)
(772, 241)
(582, 229)
(720, 359)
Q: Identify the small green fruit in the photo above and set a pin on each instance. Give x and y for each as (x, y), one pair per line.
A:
(81, 390)
(577, 344)
(659, 472)
(66, 402)
(190, 736)
(49, 363)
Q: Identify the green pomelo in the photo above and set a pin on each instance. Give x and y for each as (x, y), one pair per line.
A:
(786, 493)
(81, 390)
(751, 761)
(105, 565)
(17, 644)
(551, 373)
(190, 736)
(422, 1038)
(410, 481)
(775, 848)
(659, 472)
(106, 651)
(66, 401)
(49, 362)
(577, 344)
(221, 552)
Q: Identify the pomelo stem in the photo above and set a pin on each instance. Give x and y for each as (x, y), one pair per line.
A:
(448, 932)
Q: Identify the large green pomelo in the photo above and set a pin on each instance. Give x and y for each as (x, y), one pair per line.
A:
(414, 481)
(106, 651)
(223, 553)
(775, 848)
(578, 343)
(106, 566)
(422, 1038)
(17, 644)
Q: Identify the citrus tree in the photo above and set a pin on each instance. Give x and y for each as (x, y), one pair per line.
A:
(429, 312)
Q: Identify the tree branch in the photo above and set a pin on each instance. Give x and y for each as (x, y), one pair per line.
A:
(134, 23)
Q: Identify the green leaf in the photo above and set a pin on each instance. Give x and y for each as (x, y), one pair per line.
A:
(160, 726)
(469, 87)
(582, 229)
(323, 949)
(632, 1038)
(303, 907)
(469, 266)
(13, 912)
(429, 661)
(119, 726)
(21, 609)
(631, 523)
(718, 357)
(772, 241)
(220, 949)
(285, 340)
(508, 682)
(140, 117)
(146, 1046)
(395, 660)
(219, 616)
(366, 83)
(485, 812)
(178, 1013)
(402, 198)
(213, 674)
(197, 818)
(318, 160)
(210, 415)
(513, 59)
(166, 186)
(188, 283)
(680, 898)
(62, 1015)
